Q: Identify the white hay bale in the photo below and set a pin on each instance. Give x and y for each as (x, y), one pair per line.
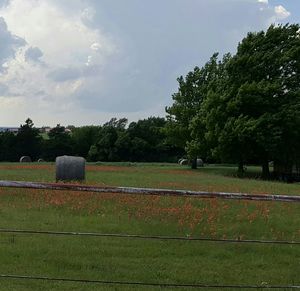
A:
(70, 168)
(200, 163)
(25, 159)
(184, 162)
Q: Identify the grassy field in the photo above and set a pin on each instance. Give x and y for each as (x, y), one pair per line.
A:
(119, 259)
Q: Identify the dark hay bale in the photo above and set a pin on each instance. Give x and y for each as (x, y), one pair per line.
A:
(70, 168)
(25, 159)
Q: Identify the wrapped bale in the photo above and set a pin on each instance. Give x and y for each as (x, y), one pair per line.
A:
(25, 159)
(70, 168)
(200, 163)
(184, 162)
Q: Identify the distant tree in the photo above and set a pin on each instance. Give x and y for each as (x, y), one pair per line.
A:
(107, 149)
(8, 149)
(123, 146)
(83, 138)
(93, 154)
(149, 141)
(144, 140)
(28, 140)
(119, 124)
(58, 144)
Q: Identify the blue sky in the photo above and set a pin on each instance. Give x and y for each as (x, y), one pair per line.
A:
(84, 61)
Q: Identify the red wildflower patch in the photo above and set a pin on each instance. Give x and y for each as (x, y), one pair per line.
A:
(194, 217)
(187, 172)
(26, 167)
(109, 168)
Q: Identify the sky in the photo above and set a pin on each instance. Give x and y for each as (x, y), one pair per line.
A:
(82, 62)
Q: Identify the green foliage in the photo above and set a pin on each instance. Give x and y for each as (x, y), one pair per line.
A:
(244, 108)
(28, 140)
(144, 140)
(59, 143)
(188, 100)
(82, 139)
(265, 93)
(8, 151)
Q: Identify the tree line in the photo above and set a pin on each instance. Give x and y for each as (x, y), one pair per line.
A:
(141, 141)
(244, 108)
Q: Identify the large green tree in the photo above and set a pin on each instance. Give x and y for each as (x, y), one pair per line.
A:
(264, 95)
(249, 110)
(206, 124)
(187, 102)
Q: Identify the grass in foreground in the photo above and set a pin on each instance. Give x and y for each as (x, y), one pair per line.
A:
(143, 260)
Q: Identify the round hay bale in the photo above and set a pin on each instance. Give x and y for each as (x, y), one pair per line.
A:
(184, 162)
(200, 163)
(25, 159)
(70, 168)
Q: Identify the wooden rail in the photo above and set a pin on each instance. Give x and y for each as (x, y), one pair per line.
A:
(149, 191)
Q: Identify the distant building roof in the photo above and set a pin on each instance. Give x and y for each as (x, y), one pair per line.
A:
(9, 129)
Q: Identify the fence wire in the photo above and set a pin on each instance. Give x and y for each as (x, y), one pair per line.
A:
(146, 237)
(145, 284)
(147, 191)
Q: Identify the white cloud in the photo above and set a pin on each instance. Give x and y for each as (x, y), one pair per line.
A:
(273, 14)
(9, 45)
(71, 70)
(281, 13)
(63, 41)
(3, 89)
(88, 14)
(96, 46)
(263, 1)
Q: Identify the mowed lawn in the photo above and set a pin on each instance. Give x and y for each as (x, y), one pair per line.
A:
(138, 260)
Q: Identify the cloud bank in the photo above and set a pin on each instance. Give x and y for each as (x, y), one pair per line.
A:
(87, 62)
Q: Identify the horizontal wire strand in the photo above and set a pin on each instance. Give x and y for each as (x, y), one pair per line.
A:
(149, 237)
(131, 283)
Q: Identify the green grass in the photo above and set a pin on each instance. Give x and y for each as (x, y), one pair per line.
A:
(143, 260)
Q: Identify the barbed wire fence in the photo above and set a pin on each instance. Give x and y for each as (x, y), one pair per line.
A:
(148, 191)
